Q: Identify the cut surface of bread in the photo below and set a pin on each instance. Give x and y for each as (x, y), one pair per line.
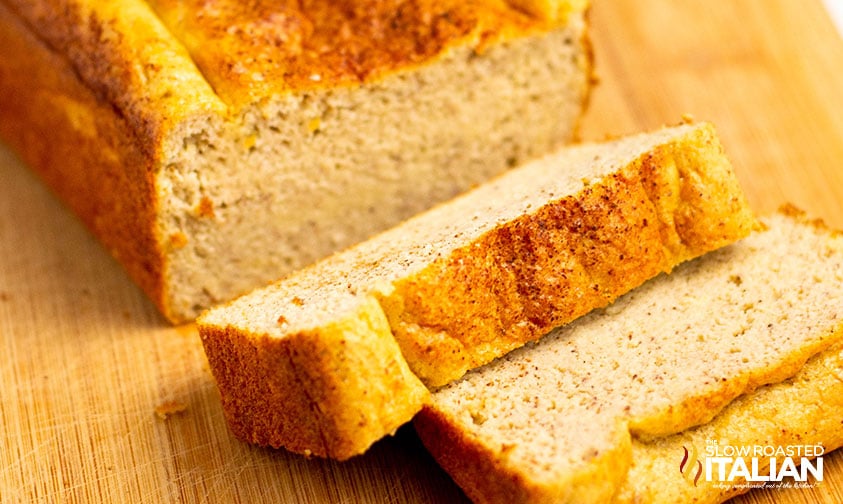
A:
(214, 148)
(802, 411)
(470, 280)
(555, 420)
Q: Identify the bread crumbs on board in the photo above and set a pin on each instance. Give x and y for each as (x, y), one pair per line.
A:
(169, 408)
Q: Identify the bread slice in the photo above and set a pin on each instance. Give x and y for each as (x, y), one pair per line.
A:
(804, 410)
(216, 146)
(464, 283)
(555, 421)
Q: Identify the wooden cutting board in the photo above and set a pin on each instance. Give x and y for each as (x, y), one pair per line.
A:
(102, 401)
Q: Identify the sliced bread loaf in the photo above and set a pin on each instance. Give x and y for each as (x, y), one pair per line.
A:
(555, 421)
(466, 282)
(801, 416)
(216, 146)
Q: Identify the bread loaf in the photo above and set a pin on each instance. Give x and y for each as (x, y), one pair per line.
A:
(215, 146)
(463, 283)
(564, 420)
(804, 410)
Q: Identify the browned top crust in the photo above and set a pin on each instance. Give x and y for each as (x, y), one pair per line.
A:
(52, 120)
(128, 59)
(253, 48)
(163, 61)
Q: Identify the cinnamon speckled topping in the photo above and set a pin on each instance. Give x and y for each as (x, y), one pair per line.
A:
(256, 47)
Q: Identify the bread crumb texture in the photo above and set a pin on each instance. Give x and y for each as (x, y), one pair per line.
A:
(217, 145)
(470, 280)
(620, 391)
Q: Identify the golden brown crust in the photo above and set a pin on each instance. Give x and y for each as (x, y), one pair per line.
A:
(90, 93)
(487, 476)
(315, 392)
(261, 47)
(545, 269)
(250, 411)
(75, 140)
(474, 466)
(127, 58)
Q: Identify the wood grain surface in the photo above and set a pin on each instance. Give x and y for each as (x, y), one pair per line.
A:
(102, 401)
